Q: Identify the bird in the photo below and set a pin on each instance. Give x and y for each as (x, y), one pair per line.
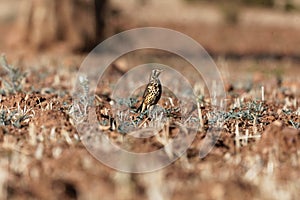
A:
(152, 91)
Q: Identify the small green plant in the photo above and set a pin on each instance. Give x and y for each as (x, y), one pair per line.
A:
(128, 102)
(252, 110)
(6, 117)
(12, 84)
(22, 115)
(16, 117)
(82, 101)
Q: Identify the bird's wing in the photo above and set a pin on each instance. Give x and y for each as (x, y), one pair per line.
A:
(146, 92)
(147, 89)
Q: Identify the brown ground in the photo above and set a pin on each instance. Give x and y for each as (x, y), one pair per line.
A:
(42, 156)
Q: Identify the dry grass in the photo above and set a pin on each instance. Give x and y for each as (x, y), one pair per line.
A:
(256, 155)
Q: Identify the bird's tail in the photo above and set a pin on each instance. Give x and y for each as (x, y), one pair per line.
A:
(140, 108)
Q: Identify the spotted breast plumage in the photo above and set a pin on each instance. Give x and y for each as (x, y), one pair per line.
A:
(152, 92)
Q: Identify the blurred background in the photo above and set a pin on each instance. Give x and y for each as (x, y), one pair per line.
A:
(230, 28)
(259, 37)
(254, 43)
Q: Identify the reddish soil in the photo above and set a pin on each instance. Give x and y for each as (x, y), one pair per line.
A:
(256, 155)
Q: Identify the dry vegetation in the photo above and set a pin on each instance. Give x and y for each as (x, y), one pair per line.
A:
(256, 156)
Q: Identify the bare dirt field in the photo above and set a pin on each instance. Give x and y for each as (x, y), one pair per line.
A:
(256, 156)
